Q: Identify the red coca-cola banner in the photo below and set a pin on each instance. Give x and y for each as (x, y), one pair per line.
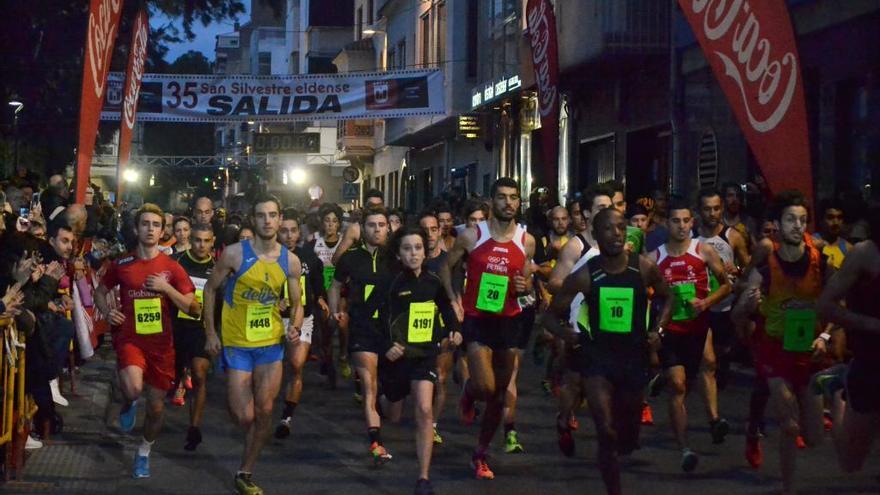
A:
(545, 60)
(100, 38)
(133, 77)
(751, 48)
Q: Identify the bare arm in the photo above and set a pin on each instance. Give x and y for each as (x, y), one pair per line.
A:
(333, 296)
(716, 266)
(564, 264)
(463, 243)
(740, 248)
(184, 302)
(294, 296)
(225, 266)
(572, 285)
(854, 266)
(654, 279)
(351, 236)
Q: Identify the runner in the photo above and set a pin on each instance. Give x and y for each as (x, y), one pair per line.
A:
(734, 216)
(732, 248)
(203, 211)
(255, 273)
(613, 357)
(324, 246)
(373, 198)
(857, 421)
(416, 310)
(635, 237)
(498, 272)
(829, 239)
(444, 216)
(312, 298)
(687, 342)
(362, 269)
(790, 276)
(578, 223)
(150, 285)
(189, 332)
(182, 232)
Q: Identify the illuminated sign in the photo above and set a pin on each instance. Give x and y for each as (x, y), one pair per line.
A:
(469, 126)
(486, 93)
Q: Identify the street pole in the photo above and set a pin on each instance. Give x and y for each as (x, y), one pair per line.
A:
(18, 107)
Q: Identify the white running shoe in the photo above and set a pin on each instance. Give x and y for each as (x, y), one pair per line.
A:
(32, 443)
(56, 394)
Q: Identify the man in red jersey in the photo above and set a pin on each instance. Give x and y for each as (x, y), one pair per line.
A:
(498, 273)
(151, 286)
(687, 342)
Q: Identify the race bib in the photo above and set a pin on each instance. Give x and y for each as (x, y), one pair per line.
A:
(421, 322)
(302, 290)
(492, 292)
(616, 309)
(329, 272)
(258, 324)
(800, 330)
(199, 284)
(583, 318)
(684, 294)
(368, 289)
(148, 316)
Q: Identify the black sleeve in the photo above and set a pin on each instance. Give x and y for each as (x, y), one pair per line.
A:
(447, 314)
(316, 278)
(540, 252)
(343, 271)
(380, 301)
(38, 295)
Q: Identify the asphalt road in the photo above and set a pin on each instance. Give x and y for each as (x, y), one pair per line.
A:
(327, 451)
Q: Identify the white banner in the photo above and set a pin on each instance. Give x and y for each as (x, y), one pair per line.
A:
(285, 98)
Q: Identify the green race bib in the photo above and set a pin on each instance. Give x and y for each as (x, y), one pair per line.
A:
(421, 322)
(368, 289)
(713, 283)
(616, 309)
(329, 272)
(684, 294)
(492, 292)
(258, 324)
(800, 330)
(148, 316)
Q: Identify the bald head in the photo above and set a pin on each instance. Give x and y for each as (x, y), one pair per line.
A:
(560, 220)
(203, 210)
(76, 217)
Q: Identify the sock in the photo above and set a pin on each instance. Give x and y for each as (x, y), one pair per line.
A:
(144, 448)
(435, 425)
(480, 452)
(508, 427)
(288, 409)
(243, 474)
(375, 435)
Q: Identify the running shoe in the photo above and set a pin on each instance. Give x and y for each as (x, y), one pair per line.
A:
(127, 417)
(283, 430)
(689, 460)
(827, 421)
(511, 443)
(188, 383)
(800, 442)
(244, 485)
(344, 368)
(828, 382)
(141, 466)
(573, 423)
(193, 438)
(481, 468)
(32, 443)
(438, 440)
(647, 415)
(380, 455)
(466, 409)
(719, 430)
(754, 451)
(179, 396)
(423, 487)
(566, 439)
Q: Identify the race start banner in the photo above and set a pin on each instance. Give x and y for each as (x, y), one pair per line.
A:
(283, 98)
(752, 50)
(134, 73)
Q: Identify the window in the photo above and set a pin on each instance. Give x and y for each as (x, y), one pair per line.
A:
(441, 34)
(425, 30)
(401, 54)
(359, 26)
(370, 12)
(472, 26)
(391, 58)
(264, 64)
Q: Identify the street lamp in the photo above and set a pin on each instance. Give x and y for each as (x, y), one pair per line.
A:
(18, 106)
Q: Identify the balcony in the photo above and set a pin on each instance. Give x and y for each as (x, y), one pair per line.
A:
(354, 139)
(596, 30)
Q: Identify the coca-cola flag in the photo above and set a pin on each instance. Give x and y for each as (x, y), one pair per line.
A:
(134, 74)
(545, 60)
(751, 48)
(101, 35)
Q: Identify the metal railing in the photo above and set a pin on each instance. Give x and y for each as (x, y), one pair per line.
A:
(17, 408)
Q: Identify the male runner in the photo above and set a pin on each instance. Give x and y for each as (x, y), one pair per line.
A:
(325, 246)
(444, 216)
(203, 211)
(635, 237)
(373, 198)
(788, 342)
(578, 223)
(829, 239)
(257, 272)
(312, 298)
(857, 421)
(734, 216)
(362, 269)
(734, 253)
(613, 357)
(687, 342)
(498, 272)
(189, 331)
(150, 285)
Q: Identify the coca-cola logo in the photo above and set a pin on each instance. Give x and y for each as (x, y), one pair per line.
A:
(101, 34)
(767, 82)
(139, 52)
(541, 37)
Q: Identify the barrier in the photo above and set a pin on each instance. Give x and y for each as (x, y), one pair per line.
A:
(16, 410)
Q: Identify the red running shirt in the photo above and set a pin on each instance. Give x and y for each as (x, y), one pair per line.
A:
(491, 267)
(688, 278)
(147, 313)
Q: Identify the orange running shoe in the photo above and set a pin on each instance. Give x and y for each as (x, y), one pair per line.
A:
(380, 455)
(647, 415)
(481, 469)
(179, 396)
(754, 451)
(800, 442)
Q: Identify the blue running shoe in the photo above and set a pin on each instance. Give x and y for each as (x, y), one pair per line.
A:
(141, 466)
(127, 417)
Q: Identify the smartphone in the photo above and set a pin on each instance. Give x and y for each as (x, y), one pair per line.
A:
(24, 213)
(35, 200)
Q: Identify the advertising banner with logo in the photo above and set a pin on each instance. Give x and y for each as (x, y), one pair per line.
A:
(103, 27)
(751, 48)
(545, 59)
(285, 98)
(133, 75)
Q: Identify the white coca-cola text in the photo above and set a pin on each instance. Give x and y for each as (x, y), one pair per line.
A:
(101, 35)
(138, 53)
(539, 30)
(748, 60)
